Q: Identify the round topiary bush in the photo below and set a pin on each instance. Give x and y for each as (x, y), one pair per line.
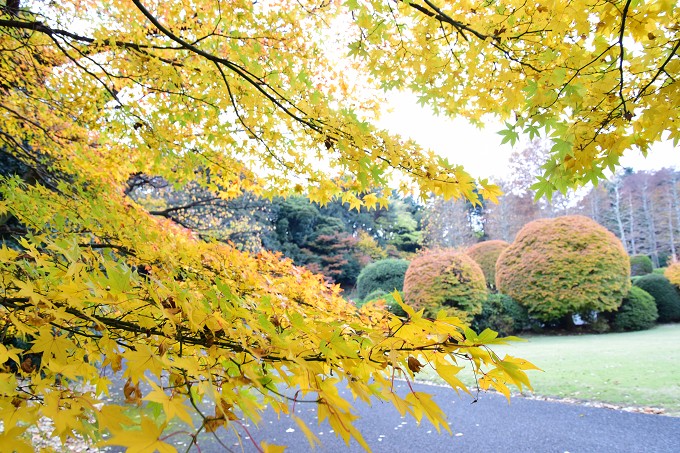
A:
(386, 275)
(378, 293)
(502, 314)
(445, 279)
(564, 266)
(637, 312)
(640, 265)
(486, 254)
(665, 295)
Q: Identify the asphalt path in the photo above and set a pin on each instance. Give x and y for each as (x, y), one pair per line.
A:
(489, 425)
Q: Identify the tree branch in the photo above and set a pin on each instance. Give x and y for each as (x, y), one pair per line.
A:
(42, 28)
(661, 69)
(166, 212)
(242, 72)
(624, 15)
(438, 14)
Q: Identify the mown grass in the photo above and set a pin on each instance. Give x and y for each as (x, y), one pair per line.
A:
(628, 369)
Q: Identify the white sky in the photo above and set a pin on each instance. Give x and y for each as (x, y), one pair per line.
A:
(480, 150)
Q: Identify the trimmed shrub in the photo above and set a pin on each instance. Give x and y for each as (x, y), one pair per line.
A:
(640, 265)
(445, 279)
(377, 294)
(665, 295)
(486, 254)
(386, 275)
(564, 266)
(374, 295)
(665, 259)
(502, 314)
(637, 312)
(672, 273)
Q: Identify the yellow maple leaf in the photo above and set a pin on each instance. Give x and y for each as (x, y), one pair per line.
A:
(113, 418)
(448, 373)
(172, 406)
(269, 448)
(6, 354)
(141, 360)
(370, 200)
(423, 404)
(311, 437)
(146, 440)
(52, 346)
(10, 440)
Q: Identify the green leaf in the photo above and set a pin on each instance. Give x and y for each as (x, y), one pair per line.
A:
(562, 148)
(509, 135)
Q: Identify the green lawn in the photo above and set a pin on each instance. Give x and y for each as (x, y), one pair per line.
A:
(629, 369)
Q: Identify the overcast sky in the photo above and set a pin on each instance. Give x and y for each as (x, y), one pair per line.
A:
(480, 150)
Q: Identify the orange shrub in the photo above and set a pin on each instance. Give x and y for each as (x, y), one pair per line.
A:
(486, 254)
(445, 279)
(672, 273)
(562, 266)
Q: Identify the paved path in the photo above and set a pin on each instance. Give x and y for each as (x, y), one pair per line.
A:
(490, 425)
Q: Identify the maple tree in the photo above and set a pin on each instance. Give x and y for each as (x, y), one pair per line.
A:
(252, 97)
(596, 78)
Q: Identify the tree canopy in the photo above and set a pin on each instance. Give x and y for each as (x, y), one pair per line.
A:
(100, 97)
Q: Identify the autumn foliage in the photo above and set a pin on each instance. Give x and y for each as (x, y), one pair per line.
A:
(93, 287)
(562, 266)
(189, 323)
(445, 280)
(486, 254)
(254, 98)
(672, 273)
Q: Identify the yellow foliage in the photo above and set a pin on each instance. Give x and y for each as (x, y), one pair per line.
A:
(152, 301)
(255, 98)
(672, 273)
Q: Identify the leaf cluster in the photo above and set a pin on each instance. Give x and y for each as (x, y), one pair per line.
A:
(98, 283)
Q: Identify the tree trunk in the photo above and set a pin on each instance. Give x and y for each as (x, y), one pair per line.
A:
(617, 213)
(647, 210)
(671, 235)
(567, 322)
(633, 248)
